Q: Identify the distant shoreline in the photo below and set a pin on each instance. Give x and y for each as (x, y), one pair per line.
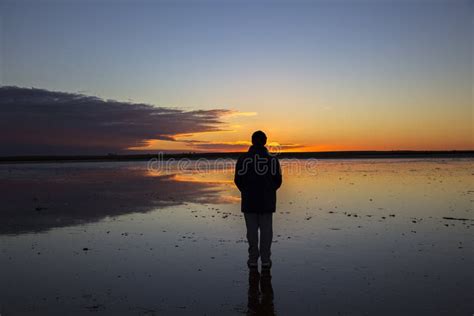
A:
(234, 155)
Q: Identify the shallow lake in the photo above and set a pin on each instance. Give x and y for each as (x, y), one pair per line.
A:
(351, 237)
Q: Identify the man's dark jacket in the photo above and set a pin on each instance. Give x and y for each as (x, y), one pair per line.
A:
(258, 177)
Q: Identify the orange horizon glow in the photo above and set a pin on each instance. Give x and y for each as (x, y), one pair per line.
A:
(231, 141)
(309, 149)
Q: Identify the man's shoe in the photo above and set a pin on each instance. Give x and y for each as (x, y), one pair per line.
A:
(266, 264)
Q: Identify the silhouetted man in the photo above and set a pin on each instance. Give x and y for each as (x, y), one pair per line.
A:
(258, 177)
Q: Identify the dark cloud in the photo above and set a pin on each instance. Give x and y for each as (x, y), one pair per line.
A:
(42, 122)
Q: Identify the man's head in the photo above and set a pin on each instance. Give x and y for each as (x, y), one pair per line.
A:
(259, 138)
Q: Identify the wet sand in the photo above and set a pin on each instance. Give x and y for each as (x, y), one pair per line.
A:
(351, 237)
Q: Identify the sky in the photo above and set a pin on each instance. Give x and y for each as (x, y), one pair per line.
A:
(313, 75)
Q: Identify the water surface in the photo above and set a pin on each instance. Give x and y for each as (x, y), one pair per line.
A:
(351, 237)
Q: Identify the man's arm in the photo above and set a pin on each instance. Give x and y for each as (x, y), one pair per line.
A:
(277, 178)
(238, 176)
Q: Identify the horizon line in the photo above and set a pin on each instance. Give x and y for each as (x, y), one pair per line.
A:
(353, 154)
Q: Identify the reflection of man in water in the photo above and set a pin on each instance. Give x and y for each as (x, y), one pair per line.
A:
(260, 300)
(258, 177)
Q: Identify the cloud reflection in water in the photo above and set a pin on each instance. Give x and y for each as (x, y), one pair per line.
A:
(40, 198)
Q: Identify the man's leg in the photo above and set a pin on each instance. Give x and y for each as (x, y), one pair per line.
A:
(251, 221)
(266, 235)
